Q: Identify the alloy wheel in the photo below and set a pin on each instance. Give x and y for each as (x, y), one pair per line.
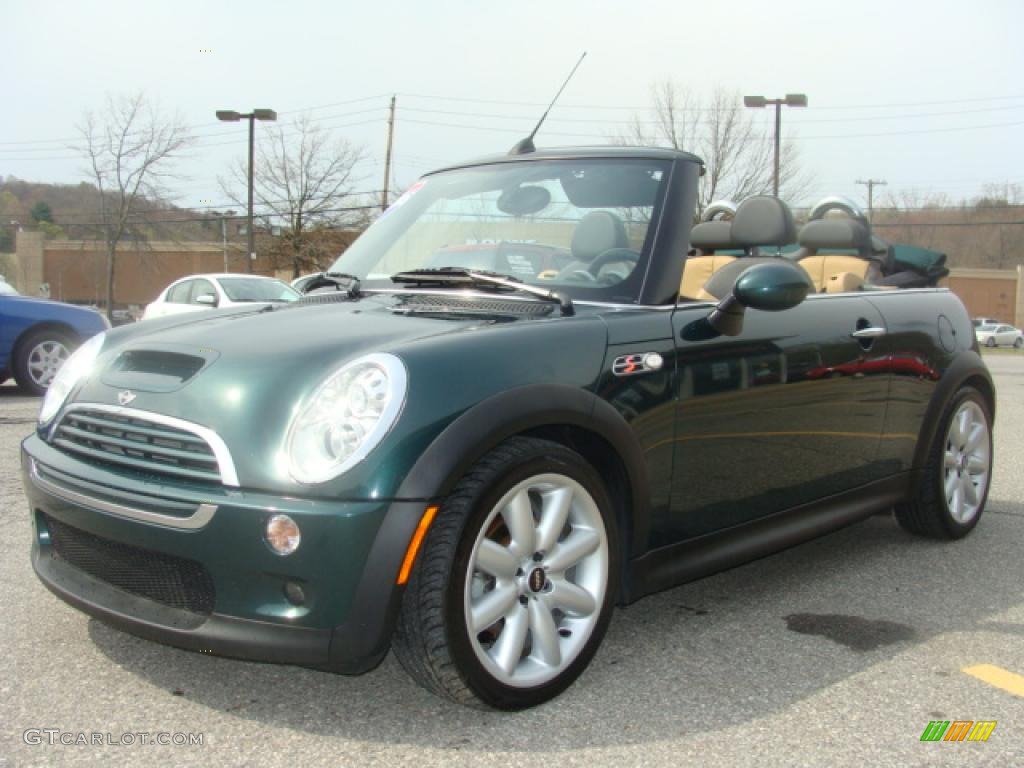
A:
(536, 580)
(44, 360)
(967, 461)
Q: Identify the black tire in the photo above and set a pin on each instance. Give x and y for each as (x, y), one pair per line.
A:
(991, 342)
(1018, 343)
(928, 514)
(432, 640)
(26, 381)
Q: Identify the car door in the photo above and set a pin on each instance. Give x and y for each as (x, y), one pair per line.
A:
(1005, 335)
(789, 411)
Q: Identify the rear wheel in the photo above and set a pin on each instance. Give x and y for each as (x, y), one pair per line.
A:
(1018, 343)
(514, 590)
(39, 357)
(956, 478)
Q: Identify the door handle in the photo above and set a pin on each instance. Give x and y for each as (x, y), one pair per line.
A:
(872, 332)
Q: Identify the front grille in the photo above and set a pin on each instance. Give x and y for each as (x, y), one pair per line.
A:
(172, 581)
(136, 442)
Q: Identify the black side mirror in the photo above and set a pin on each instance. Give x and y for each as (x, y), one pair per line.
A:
(769, 287)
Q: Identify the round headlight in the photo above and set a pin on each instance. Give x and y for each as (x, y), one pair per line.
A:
(75, 368)
(345, 419)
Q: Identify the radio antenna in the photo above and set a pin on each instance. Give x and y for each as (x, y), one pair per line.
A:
(526, 146)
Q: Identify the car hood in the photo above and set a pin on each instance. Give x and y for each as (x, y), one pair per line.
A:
(244, 373)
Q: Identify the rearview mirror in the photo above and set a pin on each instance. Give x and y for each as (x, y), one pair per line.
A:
(768, 287)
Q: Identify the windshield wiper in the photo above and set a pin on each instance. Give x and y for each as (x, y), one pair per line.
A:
(481, 278)
(340, 280)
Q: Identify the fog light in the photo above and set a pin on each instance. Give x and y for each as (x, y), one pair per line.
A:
(295, 594)
(283, 534)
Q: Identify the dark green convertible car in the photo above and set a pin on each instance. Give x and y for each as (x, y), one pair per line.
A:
(473, 465)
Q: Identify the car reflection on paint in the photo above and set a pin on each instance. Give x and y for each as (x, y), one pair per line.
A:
(905, 365)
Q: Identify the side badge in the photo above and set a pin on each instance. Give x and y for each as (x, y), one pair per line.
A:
(645, 362)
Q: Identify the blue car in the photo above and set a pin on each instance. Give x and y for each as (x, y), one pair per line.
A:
(37, 336)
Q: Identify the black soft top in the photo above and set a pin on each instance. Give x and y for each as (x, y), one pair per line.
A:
(579, 153)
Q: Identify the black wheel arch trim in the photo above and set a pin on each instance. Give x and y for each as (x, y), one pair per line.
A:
(522, 409)
(965, 366)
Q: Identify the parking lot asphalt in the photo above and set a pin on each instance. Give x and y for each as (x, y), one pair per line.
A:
(837, 652)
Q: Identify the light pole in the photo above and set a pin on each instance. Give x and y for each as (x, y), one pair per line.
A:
(230, 116)
(760, 102)
(224, 216)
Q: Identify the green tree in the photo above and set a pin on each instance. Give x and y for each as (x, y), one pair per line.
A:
(41, 212)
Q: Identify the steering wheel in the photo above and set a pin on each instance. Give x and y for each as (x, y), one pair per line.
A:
(611, 256)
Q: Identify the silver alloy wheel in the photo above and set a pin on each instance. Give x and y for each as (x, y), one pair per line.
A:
(44, 360)
(967, 462)
(536, 581)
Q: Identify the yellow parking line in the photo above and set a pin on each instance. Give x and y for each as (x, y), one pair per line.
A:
(998, 677)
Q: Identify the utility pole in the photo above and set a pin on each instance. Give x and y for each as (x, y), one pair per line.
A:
(387, 156)
(871, 184)
(224, 241)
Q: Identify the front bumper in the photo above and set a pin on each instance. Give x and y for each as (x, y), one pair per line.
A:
(346, 564)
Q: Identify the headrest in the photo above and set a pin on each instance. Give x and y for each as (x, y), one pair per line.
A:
(836, 233)
(596, 233)
(763, 220)
(712, 235)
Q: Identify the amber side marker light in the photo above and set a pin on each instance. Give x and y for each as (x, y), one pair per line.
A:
(414, 544)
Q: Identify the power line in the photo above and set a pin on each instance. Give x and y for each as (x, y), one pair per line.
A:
(607, 107)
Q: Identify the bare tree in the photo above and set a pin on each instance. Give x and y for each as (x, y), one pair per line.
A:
(737, 152)
(304, 183)
(130, 149)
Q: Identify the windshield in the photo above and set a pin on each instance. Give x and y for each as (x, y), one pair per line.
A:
(987, 328)
(257, 289)
(578, 226)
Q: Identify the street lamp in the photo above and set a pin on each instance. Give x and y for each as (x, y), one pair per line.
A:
(230, 116)
(760, 102)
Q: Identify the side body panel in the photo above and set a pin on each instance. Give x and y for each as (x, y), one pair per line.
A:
(932, 348)
(788, 412)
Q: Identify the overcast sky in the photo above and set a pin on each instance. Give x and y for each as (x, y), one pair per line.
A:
(926, 95)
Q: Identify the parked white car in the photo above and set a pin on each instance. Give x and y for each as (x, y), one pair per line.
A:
(199, 292)
(993, 335)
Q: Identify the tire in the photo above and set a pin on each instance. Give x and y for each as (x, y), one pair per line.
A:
(39, 357)
(991, 342)
(960, 458)
(557, 602)
(1018, 343)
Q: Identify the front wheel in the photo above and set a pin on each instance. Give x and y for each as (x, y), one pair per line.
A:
(514, 588)
(991, 341)
(1018, 343)
(954, 487)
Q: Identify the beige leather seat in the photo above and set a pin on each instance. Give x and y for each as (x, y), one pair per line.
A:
(759, 221)
(832, 272)
(706, 238)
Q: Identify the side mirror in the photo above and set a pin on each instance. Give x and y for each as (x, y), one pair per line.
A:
(207, 299)
(768, 287)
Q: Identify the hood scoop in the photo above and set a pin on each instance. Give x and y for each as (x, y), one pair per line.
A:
(158, 369)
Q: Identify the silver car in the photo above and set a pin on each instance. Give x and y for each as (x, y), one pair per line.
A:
(1001, 335)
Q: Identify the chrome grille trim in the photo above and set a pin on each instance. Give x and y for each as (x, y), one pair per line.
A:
(196, 433)
(200, 518)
